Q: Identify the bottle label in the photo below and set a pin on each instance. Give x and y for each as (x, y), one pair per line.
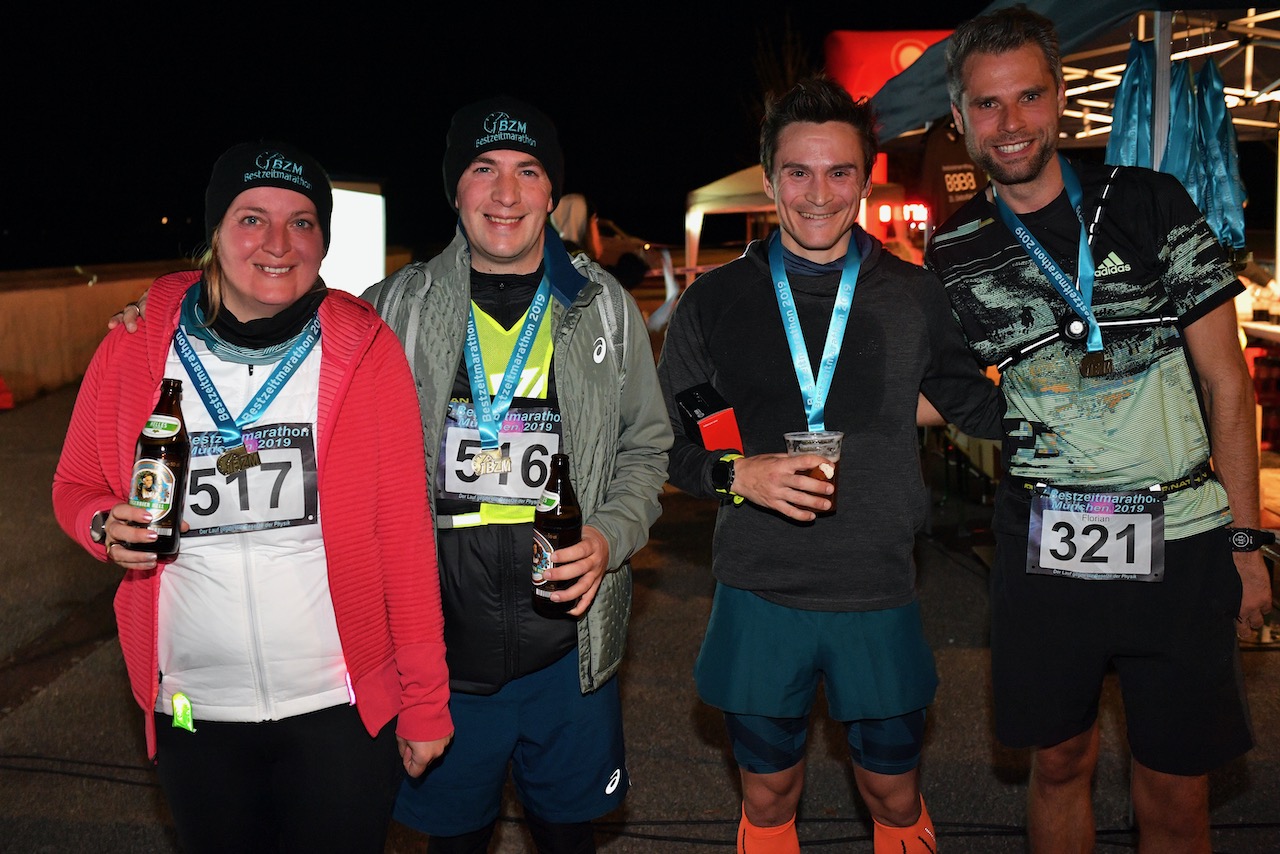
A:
(152, 488)
(542, 550)
(161, 426)
(547, 502)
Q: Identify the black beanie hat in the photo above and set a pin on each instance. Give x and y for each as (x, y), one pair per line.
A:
(266, 164)
(501, 123)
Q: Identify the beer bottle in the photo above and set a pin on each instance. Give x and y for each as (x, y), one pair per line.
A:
(557, 523)
(159, 481)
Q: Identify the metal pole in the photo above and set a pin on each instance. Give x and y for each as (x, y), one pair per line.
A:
(1160, 95)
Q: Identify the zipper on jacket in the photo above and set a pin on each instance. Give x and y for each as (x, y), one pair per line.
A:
(511, 588)
(257, 665)
(258, 657)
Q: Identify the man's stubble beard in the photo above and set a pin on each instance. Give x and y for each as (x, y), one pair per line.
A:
(998, 172)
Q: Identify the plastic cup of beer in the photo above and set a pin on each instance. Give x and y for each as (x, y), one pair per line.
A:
(823, 443)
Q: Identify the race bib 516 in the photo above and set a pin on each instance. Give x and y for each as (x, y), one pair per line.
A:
(528, 437)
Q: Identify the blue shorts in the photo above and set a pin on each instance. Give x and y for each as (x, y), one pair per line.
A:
(759, 658)
(564, 749)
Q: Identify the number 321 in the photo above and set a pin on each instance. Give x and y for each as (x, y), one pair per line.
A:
(1092, 539)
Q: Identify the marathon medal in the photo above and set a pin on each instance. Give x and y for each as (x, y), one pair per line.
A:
(1080, 325)
(492, 409)
(240, 458)
(242, 448)
(1096, 364)
(490, 461)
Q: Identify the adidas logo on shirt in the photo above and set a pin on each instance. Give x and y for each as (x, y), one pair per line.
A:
(1111, 266)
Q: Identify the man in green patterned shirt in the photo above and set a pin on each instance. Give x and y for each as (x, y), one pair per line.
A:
(1105, 301)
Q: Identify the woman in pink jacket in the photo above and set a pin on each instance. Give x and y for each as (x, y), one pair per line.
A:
(290, 658)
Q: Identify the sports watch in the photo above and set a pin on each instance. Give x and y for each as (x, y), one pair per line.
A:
(1249, 539)
(722, 477)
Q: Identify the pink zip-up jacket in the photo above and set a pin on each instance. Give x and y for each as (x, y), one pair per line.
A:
(381, 554)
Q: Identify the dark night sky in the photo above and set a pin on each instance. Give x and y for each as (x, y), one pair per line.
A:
(111, 121)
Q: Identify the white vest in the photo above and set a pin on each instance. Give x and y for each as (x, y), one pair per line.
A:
(246, 624)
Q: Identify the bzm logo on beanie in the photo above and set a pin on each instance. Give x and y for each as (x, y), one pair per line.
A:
(275, 165)
(500, 124)
(500, 127)
(266, 163)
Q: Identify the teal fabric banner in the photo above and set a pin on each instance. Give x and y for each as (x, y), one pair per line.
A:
(1226, 196)
(1130, 141)
(1201, 149)
(1182, 156)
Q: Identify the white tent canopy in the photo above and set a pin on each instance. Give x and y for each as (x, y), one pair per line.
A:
(742, 193)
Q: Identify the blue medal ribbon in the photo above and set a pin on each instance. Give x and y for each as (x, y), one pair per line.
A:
(232, 431)
(490, 411)
(814, 393)
(1078, 294)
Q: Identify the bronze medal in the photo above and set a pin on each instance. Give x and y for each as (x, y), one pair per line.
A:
(237, 460)
(1095, 364)
(490, 461)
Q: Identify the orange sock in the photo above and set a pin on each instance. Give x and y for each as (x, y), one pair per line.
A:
(767, 840)
(919, 838)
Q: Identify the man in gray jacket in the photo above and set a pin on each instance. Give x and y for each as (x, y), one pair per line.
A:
(519, 352)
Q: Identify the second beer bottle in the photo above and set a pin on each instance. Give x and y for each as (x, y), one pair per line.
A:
(159, 481)
(557, 523)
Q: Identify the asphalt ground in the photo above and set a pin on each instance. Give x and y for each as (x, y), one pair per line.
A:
(74, 776)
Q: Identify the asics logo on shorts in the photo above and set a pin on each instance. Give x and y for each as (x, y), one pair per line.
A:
(599, 351)
(614, 779)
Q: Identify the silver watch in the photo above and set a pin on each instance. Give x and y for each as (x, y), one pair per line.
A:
(98, 526)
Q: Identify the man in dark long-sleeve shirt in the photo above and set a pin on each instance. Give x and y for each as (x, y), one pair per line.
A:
(802, 596)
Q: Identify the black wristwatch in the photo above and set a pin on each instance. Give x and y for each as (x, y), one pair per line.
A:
(98, 527)
(1249, 539)
(722, 477)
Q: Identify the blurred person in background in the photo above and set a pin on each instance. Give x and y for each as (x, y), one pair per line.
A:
(581, 229)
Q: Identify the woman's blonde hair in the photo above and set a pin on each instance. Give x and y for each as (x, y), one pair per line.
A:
(211, 271)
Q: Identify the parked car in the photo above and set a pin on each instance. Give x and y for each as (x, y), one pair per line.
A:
(628, 258)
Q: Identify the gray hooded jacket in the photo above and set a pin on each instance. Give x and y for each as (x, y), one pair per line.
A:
(613, 420)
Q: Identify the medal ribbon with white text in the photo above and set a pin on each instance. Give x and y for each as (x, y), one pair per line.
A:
(232, 430)
(491, 410)
(814, 392)
(1078, 294)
